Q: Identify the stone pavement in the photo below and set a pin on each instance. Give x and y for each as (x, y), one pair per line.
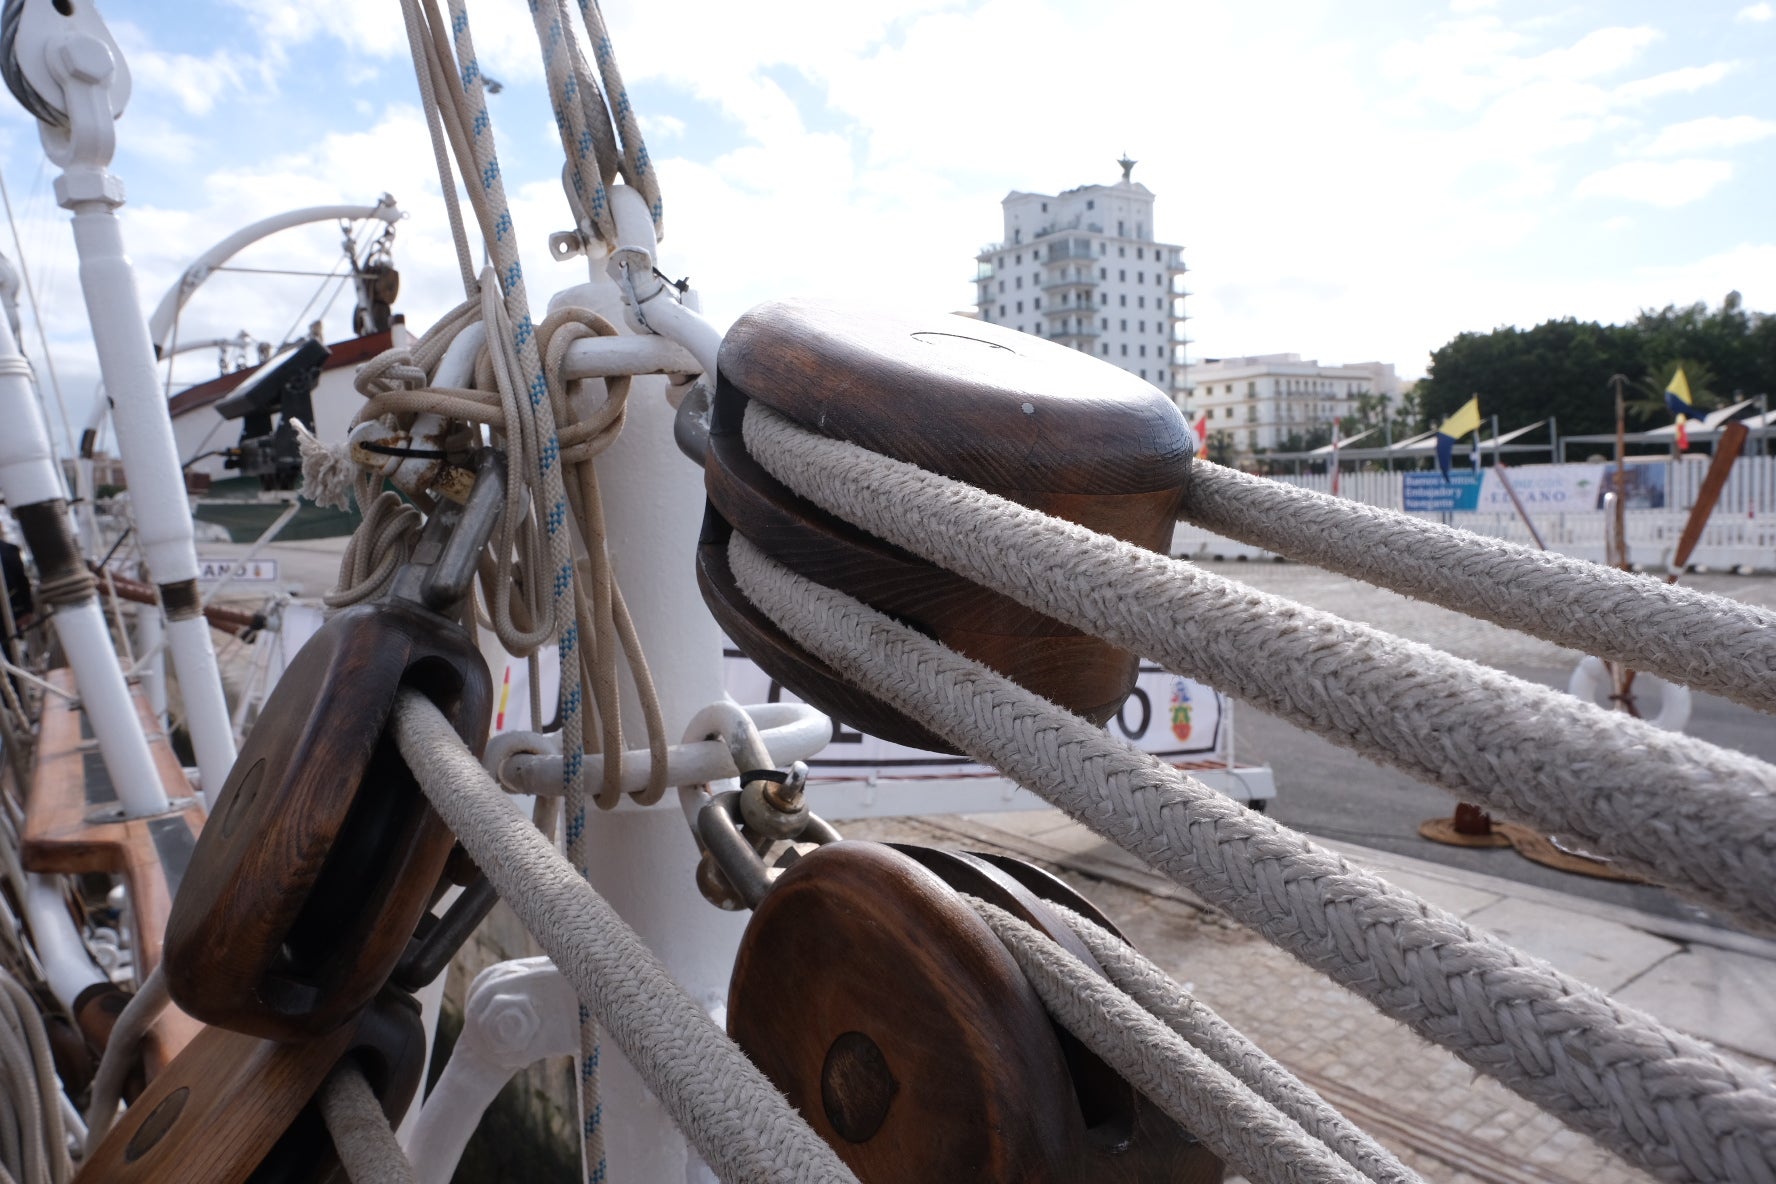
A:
(1442, 1119)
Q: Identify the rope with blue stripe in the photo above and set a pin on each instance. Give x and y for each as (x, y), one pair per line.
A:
(638, 168)
(504, 252)
(581, 119)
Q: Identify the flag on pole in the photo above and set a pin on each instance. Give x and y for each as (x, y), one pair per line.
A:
(1466, 420)
(1679, 403)
(1335, 467)
(1201, 428)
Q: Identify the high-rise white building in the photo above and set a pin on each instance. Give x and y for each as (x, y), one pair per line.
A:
(1266, 399)
(1082, 268)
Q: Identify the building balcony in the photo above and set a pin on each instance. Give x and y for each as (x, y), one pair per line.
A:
(1077, 334)
(1082, 309)
(983, 272)
(1057, 284)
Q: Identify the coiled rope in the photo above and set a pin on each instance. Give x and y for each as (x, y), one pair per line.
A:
(1691, 815)
(1707, 642)
(1663, 1100)
(738, 1122)
(33, 1139)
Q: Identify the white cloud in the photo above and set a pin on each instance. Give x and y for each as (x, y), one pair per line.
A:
(1674, 82)
(1710, 133)
(1660, 183)
(1757, 12)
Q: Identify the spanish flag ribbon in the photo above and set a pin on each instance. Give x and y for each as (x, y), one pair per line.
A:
(1679, 403)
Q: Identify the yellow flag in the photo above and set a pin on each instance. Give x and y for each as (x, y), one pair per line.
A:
(1678, 389)
(1463, 421)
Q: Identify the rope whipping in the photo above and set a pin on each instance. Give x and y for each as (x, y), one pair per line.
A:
(1696, 817)
(738, 1122)
(368, 1149)
(33, 1138)
(1155, 992)
(1258, 1140)
(1661, 1099)
(1708, 642)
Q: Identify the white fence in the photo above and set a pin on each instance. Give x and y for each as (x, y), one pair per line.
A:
(1740, 535)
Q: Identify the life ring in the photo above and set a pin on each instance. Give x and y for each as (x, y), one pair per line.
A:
(1591, 682)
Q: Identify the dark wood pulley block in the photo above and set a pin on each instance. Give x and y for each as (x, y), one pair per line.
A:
(322, 853)
(1037, 423)
(893, 1019)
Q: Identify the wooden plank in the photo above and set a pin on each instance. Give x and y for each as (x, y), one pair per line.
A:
(69, 783)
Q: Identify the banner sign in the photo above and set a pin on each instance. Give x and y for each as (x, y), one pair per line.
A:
(1429, 491)
(1548, 488)
(1170, 717)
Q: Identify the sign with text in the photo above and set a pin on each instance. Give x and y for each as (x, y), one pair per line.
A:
(1430, 492)
(254, 571)
(1170, 717)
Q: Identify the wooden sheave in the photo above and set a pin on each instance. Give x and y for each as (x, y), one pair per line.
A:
(1037, 423)
(71, 828)
(893, 1019)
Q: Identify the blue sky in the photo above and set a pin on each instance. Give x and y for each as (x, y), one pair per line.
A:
(1350, 181)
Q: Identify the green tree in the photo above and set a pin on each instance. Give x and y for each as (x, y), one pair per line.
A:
(1221, 446)
(1648, 405)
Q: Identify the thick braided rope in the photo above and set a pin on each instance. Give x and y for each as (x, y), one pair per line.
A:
(368, 1149)
(1707, 642)
(1697, 817)
(734, 1117)
(1662, 1099)
(1224, 1044)
(1256, 1139)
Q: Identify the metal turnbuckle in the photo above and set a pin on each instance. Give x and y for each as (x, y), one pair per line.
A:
(322, 855)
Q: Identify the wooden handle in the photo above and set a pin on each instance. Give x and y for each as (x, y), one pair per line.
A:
(323, 852)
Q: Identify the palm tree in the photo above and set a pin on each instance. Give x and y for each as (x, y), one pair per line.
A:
(1649, 403)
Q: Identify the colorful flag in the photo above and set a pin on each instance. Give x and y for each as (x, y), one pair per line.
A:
(1335, 465)
(1201, 428)
(1454, 428)
(1679, 403)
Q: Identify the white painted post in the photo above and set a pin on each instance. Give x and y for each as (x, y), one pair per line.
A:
(644, 861)
(81, 62)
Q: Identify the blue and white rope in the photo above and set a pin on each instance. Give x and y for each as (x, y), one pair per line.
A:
(581, 118)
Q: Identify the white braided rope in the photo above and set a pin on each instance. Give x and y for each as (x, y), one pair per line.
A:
(1222, 1043)
(368, 1149)
(121, 1047)
(1702, 641)
(733, 1116)
(1697, 817)
(33, 1139)
(1258, 1140)
(1664, 1100)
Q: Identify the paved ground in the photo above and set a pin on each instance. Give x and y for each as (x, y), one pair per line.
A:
(1424, 1104)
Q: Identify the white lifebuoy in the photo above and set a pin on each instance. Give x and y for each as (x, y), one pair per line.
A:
(1590, 681)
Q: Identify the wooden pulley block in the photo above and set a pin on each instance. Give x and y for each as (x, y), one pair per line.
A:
(322, 853)
(235, 1109)
(1037, 423)
(895, 1021)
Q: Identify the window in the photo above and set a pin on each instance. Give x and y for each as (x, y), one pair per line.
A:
(1125, 325)
(1140, 230)
(1158, 280)
(1001, 286)
(1020, 260)
(1037, 304)
(1141, 301)
(1103, 322)
(1229, 385)
(1104, 349)
(1020, 307)
(1020, 281)
(1143, 351)
(1125, 300)
(1122, 252)
(1140, 276)
(1045, 207)
(1103, 298)
(1143, 374)
(1252, 389)
(1162, 374)
(1143, 326)
(1090, 204)
(1001, 310)
(1140, 252)
(1103, 273)
(1125, 349)
(1103, 248)
(1121, 230)
(1122, 275)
